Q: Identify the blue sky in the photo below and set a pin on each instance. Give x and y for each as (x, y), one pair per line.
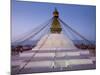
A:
(28, 15)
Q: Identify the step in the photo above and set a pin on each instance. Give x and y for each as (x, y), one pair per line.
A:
(51, 56)
(62, 63)
(47, 69)
(55, 58)
(71, 53)
(59, 50)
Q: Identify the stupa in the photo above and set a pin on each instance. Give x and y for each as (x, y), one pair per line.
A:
(55, 39)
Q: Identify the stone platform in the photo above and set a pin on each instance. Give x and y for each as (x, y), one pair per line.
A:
(52, 60)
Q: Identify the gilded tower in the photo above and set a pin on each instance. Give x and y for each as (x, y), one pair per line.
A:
(55, 27)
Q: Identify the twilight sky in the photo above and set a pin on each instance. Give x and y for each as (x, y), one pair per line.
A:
(27, 15)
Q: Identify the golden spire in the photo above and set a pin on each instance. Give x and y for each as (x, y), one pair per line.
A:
(55, 27)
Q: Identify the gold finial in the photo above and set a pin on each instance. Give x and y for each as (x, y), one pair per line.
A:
(55, 13)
